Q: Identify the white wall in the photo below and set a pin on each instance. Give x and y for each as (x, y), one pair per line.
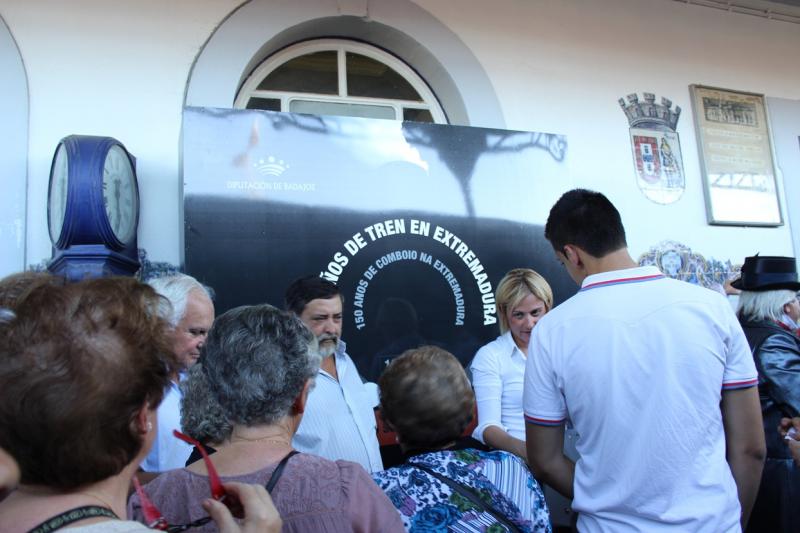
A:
(120, 68)
(561, 66)
(785, 122)
(13, 154)
(111, 68)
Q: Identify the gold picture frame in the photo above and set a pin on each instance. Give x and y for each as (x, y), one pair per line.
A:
(736, 157)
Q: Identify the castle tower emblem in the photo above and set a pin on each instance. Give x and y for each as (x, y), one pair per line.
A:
(656, 147)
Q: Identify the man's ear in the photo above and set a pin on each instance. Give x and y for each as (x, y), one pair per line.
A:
(299, 404)
(573, 255)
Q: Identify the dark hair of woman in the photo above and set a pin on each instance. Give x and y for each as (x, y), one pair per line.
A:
(77, 365)
(426, 397)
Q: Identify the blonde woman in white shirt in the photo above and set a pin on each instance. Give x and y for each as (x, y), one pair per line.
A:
(498, 369)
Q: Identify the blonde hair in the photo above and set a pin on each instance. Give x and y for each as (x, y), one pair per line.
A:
(515, 286)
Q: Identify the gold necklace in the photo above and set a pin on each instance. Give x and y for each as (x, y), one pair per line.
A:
(268, 438)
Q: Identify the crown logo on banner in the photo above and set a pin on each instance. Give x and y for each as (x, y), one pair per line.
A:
(271, 166)
(649, 114)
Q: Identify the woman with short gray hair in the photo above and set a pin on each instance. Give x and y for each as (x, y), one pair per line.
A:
(260, 363)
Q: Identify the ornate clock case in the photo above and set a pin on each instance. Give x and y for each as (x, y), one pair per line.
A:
(93, 208)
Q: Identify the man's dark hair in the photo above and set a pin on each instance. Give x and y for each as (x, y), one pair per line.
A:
(308, 288)
(586, 219)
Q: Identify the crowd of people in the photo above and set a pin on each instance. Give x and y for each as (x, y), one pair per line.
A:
(126, 406)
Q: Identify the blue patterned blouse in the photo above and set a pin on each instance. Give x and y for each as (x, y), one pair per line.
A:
(501, 479)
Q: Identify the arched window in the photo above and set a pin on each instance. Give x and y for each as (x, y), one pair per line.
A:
(339, 77)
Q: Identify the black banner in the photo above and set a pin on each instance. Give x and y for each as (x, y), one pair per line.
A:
(416, 223)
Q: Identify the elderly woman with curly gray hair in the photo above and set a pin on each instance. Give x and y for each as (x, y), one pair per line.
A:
(444, 485)
(260, 363)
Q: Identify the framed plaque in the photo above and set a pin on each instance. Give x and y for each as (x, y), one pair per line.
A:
(736, 157)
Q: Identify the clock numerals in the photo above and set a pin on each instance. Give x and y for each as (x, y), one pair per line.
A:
(119, 193)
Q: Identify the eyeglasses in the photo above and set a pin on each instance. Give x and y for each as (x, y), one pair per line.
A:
(154, 518)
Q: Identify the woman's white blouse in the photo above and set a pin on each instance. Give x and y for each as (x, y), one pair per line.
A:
(498, 372)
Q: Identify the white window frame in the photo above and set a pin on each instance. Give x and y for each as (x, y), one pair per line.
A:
(249, 88)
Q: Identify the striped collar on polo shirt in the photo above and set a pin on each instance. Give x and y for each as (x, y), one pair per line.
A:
(621, 277)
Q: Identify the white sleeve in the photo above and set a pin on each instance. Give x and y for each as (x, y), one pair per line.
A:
(542, 400)
(488, 384)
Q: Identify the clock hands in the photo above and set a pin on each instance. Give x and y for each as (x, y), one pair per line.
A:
(116, 200)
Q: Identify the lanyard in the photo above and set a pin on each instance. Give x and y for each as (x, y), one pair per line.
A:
(276, 474)
(73, 515)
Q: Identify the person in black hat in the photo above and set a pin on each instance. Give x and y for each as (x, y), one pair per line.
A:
(769, 312)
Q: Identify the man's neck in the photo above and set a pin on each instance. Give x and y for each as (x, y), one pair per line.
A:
(329, 365)
(617, 260)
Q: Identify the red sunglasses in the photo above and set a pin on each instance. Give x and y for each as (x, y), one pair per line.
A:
(154, 518)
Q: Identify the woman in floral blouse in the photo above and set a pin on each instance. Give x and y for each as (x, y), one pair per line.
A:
(442, 486)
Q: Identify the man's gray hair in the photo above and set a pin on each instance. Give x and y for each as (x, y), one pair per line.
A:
(176, 289)
(764, 305)
(202, 418)
(257, 360)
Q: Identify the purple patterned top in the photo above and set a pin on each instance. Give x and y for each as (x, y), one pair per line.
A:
(312, 495)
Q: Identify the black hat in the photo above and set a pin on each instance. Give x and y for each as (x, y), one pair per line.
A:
(765, 273)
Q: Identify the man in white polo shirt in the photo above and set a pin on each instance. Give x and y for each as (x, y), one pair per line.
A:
(657, 378)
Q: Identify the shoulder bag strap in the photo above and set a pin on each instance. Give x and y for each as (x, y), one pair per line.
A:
(276, 474)
(73, 515)
(469, 494)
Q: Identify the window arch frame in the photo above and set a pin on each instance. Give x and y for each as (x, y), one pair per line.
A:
(342, 46)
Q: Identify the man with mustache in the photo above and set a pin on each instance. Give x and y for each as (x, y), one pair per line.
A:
(339, 421)
(191, 316)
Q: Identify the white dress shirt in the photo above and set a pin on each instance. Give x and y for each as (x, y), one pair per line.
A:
(339, 421)
(498, 372)
(168, 452)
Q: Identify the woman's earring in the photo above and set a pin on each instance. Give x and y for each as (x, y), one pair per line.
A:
(149, 426)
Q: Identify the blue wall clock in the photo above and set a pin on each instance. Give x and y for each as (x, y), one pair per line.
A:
(93, 208)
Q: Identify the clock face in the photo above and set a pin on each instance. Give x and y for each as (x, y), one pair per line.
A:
(57, 201)
(120, 196)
